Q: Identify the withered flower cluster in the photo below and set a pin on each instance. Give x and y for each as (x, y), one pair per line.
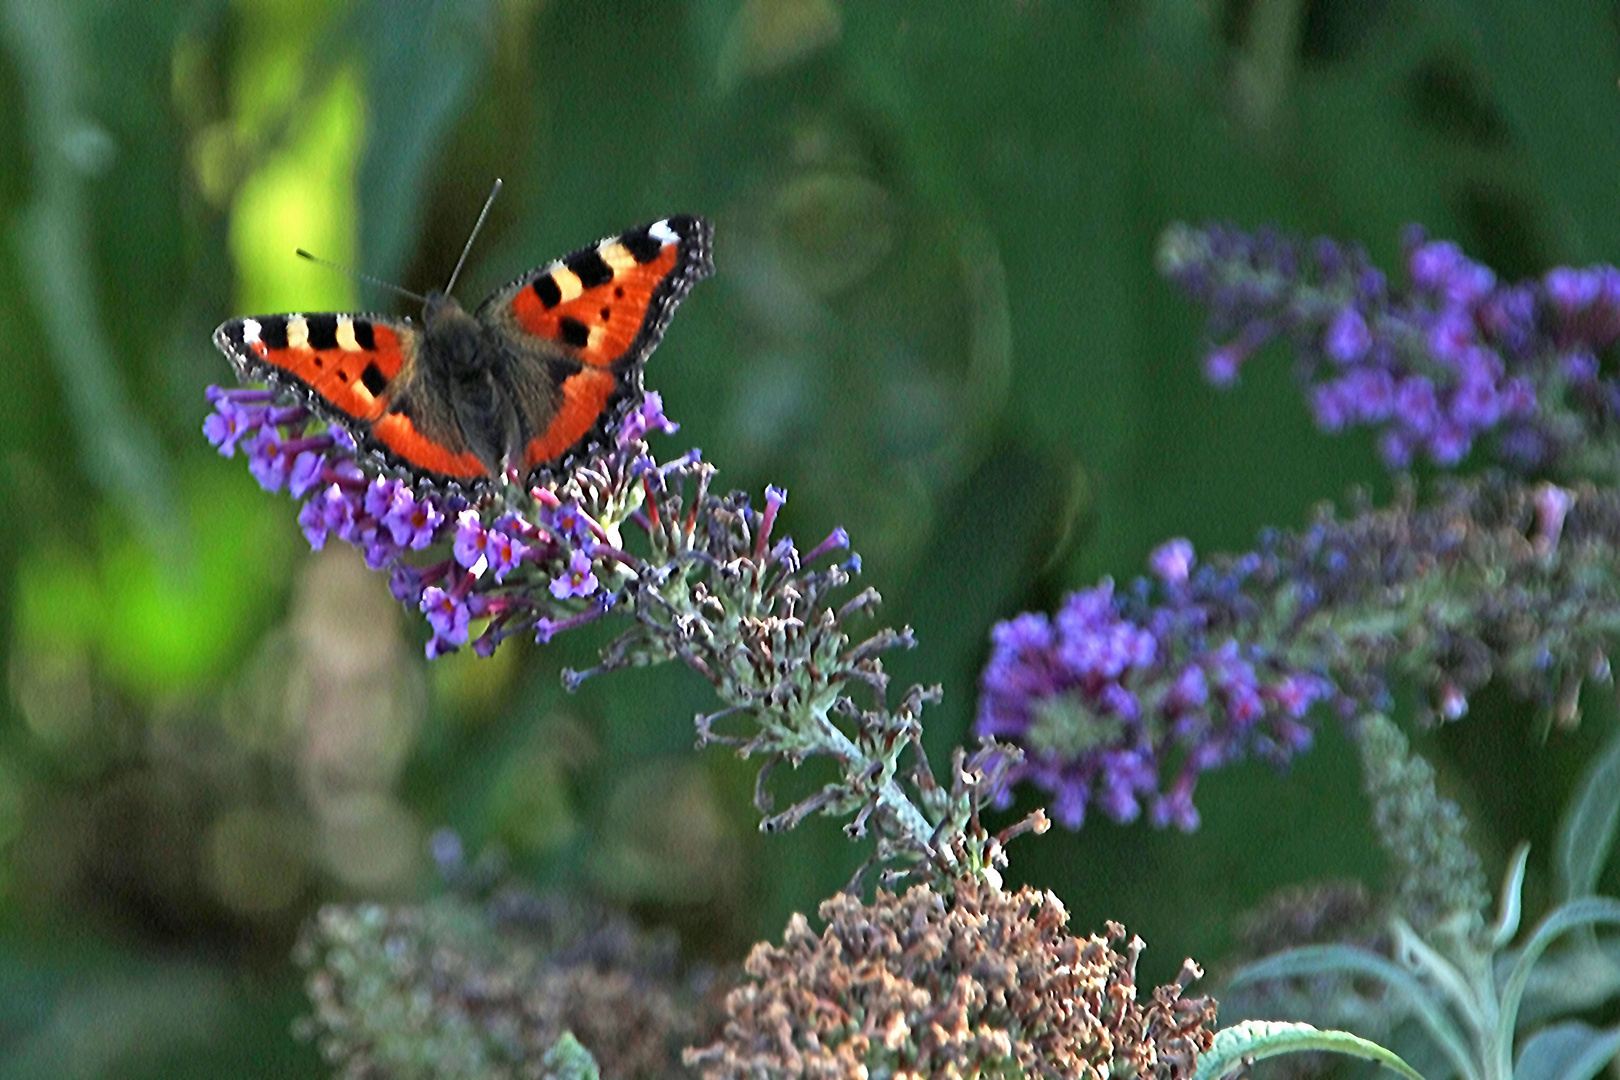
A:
(981, 983)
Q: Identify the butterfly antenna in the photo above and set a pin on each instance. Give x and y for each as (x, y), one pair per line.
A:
(479, 224)
(358, 276)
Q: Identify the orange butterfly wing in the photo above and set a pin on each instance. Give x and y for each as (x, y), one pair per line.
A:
(579, 331)
(341, 367)
(604, 307)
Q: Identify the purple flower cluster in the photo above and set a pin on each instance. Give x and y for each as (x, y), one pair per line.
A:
(1454, 356)
(701, 578)
(543, 572)
(1113, 691)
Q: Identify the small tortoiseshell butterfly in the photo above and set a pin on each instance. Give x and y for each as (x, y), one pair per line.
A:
(539, 369)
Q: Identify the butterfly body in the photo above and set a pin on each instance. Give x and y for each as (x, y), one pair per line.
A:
(534, 375)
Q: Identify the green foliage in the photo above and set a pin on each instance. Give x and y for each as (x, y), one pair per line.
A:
(1470, 990)
(935, 321)
(1256, 1040)
(568, 1060)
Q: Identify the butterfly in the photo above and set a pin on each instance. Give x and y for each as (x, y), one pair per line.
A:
(535, 374)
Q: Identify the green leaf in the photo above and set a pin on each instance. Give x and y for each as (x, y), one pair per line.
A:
(1570, 980)
(423, 59)
(1586, 835)
(1510, 908)
(56, 242)
(1347, 960)
(1237, 1046)
(1567, 1051)
(1589, 911)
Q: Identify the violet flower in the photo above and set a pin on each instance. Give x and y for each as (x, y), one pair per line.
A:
(1435, 365)
(699, 578)
(1123, 701)
(1124, 698)
(1109, 693)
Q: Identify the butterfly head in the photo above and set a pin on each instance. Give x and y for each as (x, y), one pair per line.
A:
(451, 336)
(439, 306)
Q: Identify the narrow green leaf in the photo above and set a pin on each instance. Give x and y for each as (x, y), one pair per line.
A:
(1567, 1051)
(1588, 911)
(423, 59)
(1510, 908)
(1587, 834)
(1347, 960)
(1253, 1040)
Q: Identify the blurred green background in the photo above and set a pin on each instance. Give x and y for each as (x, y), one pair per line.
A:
(935, 321)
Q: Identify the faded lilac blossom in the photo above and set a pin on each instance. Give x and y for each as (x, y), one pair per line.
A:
(459, 987)
(1453, 357)
(1122, 705)
(705, 579)
(1124, 698)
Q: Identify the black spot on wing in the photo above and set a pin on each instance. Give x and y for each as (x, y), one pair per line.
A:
(546, 289)
(574, 332)
(373, 379)
(322, 331)
(589, 267)
(273, 331)
(363, 336)
(641, 245)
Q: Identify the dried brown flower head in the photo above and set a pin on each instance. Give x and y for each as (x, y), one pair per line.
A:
(987, 983)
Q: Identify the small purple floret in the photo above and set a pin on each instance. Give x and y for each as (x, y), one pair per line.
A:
(837, 540)
(1172, 561)
(1348, 338)
(266, 461)
(648, 416)
(308, 468)
(312, 519)
(577, 580)
(448, 615)
(570, 523)
(405, 582)
(413, 522)
(228, 423)
(380, 494)
(471, 546)
(506, 553)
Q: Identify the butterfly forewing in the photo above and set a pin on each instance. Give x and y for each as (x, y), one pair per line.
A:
(341, 362)
(608, 304)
